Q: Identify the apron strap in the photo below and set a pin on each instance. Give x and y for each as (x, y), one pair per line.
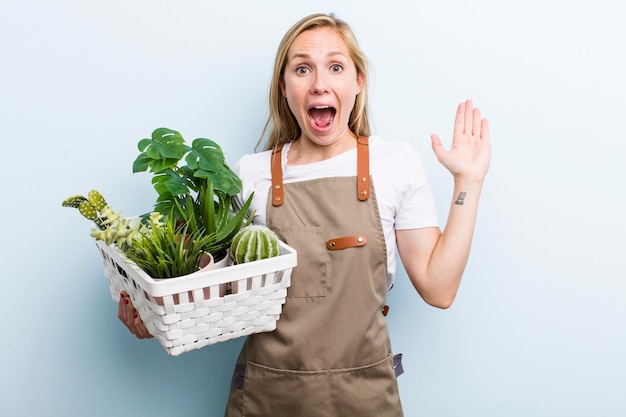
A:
(362, 168)
(362, 172)
(278, 193)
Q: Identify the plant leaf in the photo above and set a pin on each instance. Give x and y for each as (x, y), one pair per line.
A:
(171, 181)
(97, 200)
(205, 154)
(87, 210)
(73, 201)
(163, 150)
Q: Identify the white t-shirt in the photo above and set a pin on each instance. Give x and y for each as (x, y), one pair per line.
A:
(405, 200)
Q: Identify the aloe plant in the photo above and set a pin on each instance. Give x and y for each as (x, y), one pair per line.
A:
(168, 251)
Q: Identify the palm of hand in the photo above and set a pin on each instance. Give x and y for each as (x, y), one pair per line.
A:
(470, 153)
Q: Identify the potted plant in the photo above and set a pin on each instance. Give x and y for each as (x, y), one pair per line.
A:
(195, 187)
(151, 244)
(196, 212)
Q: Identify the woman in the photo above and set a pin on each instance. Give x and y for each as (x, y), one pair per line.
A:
(345, 200)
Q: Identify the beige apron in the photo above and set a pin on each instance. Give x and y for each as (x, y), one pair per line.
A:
(330, 354)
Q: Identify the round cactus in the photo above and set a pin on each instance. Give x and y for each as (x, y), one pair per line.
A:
(254, 242)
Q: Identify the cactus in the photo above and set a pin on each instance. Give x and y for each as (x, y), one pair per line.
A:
(112, 228)
(91, 207)
(254, 242)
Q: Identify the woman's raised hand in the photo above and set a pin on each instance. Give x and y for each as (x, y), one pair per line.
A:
(470, 153)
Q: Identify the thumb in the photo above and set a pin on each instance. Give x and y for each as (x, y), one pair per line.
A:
(437, 146)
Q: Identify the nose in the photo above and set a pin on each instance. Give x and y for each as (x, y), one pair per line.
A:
(320, 83)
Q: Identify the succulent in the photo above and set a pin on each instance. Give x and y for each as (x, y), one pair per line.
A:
(254, 242)
(90, 207)
(111, 228)
(167, 251)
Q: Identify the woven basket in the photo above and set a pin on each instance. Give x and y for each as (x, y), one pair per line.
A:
(190, 312)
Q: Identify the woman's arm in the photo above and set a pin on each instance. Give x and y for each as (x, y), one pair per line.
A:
(435, 260)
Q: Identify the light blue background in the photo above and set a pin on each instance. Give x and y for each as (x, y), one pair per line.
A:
(538, 325)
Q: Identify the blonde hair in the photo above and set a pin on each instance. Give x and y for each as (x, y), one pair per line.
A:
(281, 123)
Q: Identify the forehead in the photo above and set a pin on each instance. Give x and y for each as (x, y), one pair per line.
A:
(318, 41)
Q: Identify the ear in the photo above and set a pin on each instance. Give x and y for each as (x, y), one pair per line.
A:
(359, 83)
(283, 90)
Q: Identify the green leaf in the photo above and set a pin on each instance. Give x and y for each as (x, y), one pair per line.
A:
(163, 150)
(207, 208)
(87, 210)
(143, 144)
(73, 201)
(205, 154)
(171, 181)
(97, 200)
(167, 143)
(141, 163)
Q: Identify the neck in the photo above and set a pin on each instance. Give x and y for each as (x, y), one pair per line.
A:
(305, 151)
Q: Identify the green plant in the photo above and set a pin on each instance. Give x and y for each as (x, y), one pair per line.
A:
(168, 251)
(254, 242)
(162, 250)
(199, 192)
(111, 227)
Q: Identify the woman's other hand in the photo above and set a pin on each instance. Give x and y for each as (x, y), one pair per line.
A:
(128, 315)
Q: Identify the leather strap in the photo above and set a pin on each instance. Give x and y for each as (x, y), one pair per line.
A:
(362, 172)
(346, 242)
(278, 192)
(362, 168)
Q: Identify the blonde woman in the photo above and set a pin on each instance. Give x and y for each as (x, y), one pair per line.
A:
(346, 200)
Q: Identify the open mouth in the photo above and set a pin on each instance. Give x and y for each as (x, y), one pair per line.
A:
(322, 116)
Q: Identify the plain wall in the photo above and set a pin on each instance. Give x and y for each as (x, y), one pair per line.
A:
(538, 325)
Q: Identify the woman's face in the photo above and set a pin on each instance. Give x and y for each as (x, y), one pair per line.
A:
(321, 84)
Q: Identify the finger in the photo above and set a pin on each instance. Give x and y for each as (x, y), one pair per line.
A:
(435, 142)
(437, 146)
(122, 308)
(142, 331)
(128, 314)
(459, 120)
(468, 119)
(484, 130)
(120, 311)
(476, 124)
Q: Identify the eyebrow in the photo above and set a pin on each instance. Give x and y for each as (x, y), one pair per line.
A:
(330, 54)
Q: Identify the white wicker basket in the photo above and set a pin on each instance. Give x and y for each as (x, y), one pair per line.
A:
(204, 308)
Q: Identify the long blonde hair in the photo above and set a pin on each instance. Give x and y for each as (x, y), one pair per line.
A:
(281, 123)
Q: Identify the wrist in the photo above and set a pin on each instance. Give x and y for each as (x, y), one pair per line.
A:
(463, 181)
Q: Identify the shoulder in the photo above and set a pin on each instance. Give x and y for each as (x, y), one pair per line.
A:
(253, 165)
(393, 154)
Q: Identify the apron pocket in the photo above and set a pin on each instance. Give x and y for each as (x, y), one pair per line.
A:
(366, 391)
(283, 393)
(308, 278)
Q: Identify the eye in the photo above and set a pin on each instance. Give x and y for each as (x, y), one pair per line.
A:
(302, 70)
(336, 68)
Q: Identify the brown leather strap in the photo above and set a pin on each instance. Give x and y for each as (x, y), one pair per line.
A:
(346, 242)
(278, 192)
(362, 168)
(362, 172)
